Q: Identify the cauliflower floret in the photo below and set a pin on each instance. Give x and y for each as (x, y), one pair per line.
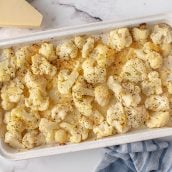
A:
(120, 38)
(154, 59)
(48, 51)
(86, 122)
(134, 70)
(140, 34)
(68, 50)
(14, 140)
(9, 55)
(32, 139)
(158, 119)
(61, 136)
(130, 95)
(157, 103)
(83, 96)
(149, 47)
(41, 66)
(23, 57)
(93, 73)
(35, 81)
(103, 55)
(88, 47)
(15, 125)
(12, 91)
(136, 116)
(102, 95)
(48, 129)
(127, 93)
(84, 106)
(6, 71)
(103, 130)
(77, 134)
(60, 111)
(162, 33)
(29, 119)
(152, 85)
(66, 80)
(117, 118)
(79, 41)
(37, 100)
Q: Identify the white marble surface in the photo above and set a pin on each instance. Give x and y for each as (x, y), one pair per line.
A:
(58, 13)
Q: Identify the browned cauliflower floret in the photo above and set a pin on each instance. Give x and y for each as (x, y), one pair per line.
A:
(93, 73)
(120, 38)
(41, 66)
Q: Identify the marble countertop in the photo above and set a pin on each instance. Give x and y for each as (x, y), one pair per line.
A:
(58, 13)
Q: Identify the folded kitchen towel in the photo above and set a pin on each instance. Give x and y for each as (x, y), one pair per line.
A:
(145, 156)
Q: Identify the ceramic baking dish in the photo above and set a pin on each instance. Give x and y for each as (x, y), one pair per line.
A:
(63, 33)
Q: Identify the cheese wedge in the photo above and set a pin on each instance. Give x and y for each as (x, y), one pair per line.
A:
(18, 13)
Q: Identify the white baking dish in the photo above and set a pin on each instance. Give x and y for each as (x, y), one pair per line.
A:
(63, 33)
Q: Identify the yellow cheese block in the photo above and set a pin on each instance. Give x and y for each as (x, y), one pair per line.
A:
(18, 13)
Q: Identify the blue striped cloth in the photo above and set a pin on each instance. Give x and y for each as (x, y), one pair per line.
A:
(145, 156)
